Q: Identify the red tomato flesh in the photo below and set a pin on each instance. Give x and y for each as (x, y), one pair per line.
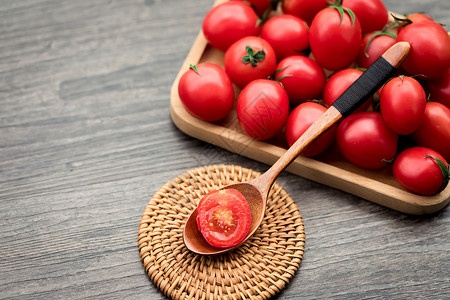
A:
(224, 218)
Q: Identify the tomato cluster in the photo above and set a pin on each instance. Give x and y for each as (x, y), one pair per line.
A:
(289, 60)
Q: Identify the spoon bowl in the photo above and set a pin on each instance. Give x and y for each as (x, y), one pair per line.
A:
(256, 199)
(256, 191)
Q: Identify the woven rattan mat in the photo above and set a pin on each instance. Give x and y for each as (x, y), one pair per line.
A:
(259, 269)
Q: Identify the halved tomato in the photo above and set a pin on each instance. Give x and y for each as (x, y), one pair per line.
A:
(224, 217)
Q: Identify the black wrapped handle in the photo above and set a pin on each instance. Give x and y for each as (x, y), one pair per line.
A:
(372, 79)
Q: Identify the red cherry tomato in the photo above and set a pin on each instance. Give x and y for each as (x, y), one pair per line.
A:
(372, 14)
(287, 34)
(262, 108)
(430, 49)
(300, 120)
(228, 22)
(248, 59)
(440, 89)
(434, 131)
(261, 6)
(418, 171)
(335, 38)
(373, 48)
(338, 83)
(304, 9)
(402, 104)
(224, 218)
(206, 92)
(366, 141)
(302, 78)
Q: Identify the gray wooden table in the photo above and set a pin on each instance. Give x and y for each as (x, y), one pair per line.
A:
(86, 139)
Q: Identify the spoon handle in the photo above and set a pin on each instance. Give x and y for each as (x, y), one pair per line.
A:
(361, 90)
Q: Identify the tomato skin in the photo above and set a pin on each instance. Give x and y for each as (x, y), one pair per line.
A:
(242, 73)
(440, 89)
(334, 43)
(417, 173)
(434, 131)
(430, 49)
(402, 104)
(224, 217)
(305, 78)
(300, 119)
(262, 109)
(372, 14)
(208, 94)
(287, 34)
(366, 141)
(338, 83)
(228, 22)
(304, 9)
(260, 6)
(377, 47)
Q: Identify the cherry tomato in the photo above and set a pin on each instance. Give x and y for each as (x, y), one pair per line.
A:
(248, 59)
(335, 38)
(434, 131)
(302, 78)
(402, 104)
(338, 83)
(430, 49)
(261, 6)
(372, 14)
(366, 141)
(300, 119)
(206, 92)
(440, 89)
(228, 22)
(373, 46)
(419, 170)
(262, 108)
(287, 34)
(304, 9)
(224, 217)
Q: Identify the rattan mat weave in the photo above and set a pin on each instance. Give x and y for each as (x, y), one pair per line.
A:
(259, 269)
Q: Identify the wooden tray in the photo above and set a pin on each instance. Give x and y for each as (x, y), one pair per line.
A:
(330, 168)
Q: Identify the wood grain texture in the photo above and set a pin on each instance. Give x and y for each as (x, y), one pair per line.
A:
(86, 139)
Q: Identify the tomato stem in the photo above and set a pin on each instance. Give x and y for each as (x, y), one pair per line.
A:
(374, 35)
(444, 169)
(266, 14)
(194, 67)
(342, 10)
(252, 57)
(388, 161)
(402, 22)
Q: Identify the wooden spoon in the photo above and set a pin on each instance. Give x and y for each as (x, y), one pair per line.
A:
(257, 190)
